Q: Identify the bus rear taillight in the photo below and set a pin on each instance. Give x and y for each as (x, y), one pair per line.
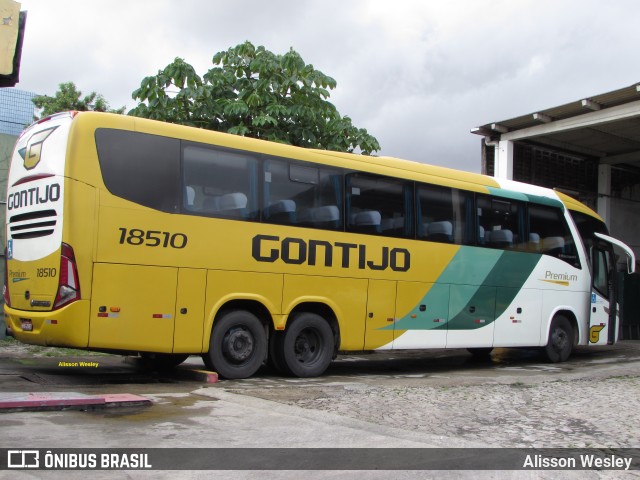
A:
(68, 285)
(5, 287)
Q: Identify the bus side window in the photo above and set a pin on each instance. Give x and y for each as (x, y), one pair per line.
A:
(278, 204)
(300, 193)
(444, 214)
(379, 205)
(141, 168)
(501, 223)
(601, 271)
(222, 183)
(550, 234)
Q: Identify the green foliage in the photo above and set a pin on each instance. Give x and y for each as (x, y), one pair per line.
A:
(68, 98)
(253, 92)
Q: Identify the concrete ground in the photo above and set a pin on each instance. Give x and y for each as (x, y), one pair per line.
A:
(411, 399)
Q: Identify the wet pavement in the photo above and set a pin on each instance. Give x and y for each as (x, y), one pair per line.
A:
(409, 399)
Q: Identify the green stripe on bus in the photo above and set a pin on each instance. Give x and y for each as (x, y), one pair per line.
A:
(466, 291)
(526, 197)
(510, 194)
(508, 275)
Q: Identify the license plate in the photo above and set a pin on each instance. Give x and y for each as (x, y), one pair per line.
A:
(27, 326)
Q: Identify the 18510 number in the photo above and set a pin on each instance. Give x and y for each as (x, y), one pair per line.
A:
(152, 238)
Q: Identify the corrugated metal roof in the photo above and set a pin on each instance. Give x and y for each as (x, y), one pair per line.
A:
(613, 140)
(568, 110)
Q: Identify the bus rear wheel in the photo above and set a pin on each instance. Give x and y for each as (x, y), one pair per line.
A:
(306, 349)
(238, 345)
(561, 340)
(276, 360)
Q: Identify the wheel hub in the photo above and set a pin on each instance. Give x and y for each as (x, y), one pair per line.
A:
(238, 345)
(559, 339)
(305, 347)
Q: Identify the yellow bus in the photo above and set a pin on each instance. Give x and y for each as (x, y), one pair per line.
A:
(134, 236)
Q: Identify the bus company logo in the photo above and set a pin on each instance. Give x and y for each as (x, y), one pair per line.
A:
(297, 251)
(17, 276)
(23, 459)
(32, 153)
(563, 279)
(594, 333)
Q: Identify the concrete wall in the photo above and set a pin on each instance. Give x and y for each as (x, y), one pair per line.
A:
(624, 222)
(6, 147)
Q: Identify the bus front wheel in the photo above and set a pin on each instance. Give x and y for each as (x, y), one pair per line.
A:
(561, 340)
(238, 345)
(307, 345)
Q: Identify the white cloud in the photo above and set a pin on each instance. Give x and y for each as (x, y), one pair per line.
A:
(418, 75)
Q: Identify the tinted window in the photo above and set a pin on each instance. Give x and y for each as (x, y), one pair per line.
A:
(302, 194)
(445, 215)
(501, 223)
(550, 234)
(220, 182)
(601, 271)
(142, 168)
(587, 226)
(378, 204)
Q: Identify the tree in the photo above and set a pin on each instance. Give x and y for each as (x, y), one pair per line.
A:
(253, 92)
(68, 98)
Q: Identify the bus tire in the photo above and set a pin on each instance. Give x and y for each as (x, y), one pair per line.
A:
(561, 339)
(238, 345)
(276, 360)
(307, 346)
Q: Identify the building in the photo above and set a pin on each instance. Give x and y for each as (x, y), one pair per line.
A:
(16, 113)
(589, 149)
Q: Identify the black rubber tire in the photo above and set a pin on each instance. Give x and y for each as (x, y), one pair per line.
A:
(276, 360)
(162, 361)
(561, 340)
(238, 345)
(308, 345)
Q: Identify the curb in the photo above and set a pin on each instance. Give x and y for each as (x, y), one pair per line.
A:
(27, 402)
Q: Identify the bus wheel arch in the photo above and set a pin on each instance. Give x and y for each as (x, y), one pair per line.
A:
(238, 339)
(562, 337)
(309, 342)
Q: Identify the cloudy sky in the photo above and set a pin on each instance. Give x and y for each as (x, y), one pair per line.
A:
(418, 75)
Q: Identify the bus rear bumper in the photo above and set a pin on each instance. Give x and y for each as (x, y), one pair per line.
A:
(66, 327)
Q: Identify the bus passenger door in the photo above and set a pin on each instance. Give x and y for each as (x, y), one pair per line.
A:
(602, 324)
(380, 313)
(133, 307)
